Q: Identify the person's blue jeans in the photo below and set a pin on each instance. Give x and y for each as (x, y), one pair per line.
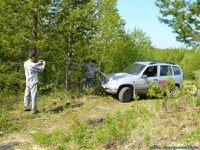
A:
(88, 82)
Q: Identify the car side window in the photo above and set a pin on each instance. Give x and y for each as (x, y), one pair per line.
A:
(151, 71)
(164, 70)
(176, 70)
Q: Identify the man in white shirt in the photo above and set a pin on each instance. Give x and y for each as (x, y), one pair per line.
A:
(31, 72)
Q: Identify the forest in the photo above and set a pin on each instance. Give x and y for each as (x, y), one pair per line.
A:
(69, 32)
(77, 31)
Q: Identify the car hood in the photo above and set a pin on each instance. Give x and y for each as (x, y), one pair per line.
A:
(118, 76)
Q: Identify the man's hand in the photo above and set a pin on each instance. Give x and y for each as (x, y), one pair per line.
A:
(41, 62)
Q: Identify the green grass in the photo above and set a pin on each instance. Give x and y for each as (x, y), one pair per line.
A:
(86, 136)
(119, 126)
(136, 125)
(54, 139)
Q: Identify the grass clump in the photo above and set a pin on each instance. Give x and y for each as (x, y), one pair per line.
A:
(9, 124)
(193, 136)
(56, 139)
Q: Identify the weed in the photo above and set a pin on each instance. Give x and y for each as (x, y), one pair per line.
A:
(162, 92)
(157, 105)
(100, 136)
(147, 139)
(79, 131)
(61, 147)
(144, 112)
(136, 97)
(55, 139)
(112, 130)
(171, 132)
(9, 124)
(43, 139)
(158, 132)
(193, 136)
(178, 116)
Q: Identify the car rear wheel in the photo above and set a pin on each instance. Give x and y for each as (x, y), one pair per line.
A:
(174, 92)
(125, 94)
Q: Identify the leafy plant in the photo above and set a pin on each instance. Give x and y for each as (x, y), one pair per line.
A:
(162, 92)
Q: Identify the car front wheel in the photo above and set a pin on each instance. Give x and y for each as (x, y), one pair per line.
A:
(125, 94)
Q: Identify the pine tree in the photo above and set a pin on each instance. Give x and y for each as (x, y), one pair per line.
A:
(75, 25)
(21, 29)
(183, 16)
(110, 42)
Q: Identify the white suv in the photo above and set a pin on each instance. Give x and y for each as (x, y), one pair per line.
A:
(135, 78)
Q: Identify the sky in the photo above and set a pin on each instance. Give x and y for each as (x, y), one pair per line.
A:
(144, 14)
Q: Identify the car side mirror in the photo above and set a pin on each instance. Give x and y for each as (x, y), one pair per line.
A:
(144, 76)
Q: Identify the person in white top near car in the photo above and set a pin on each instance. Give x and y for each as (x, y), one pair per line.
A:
(31, 72)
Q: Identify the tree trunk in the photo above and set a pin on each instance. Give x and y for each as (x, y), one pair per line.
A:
(165, 103)
(68, 71)
(35, 25)
(78, 87)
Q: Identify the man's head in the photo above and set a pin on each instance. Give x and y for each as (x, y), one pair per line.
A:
(32, 56)
(93, 62)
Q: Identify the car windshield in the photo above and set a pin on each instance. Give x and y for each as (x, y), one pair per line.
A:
(134, 69)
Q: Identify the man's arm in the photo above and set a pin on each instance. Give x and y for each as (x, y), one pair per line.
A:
(39, 66)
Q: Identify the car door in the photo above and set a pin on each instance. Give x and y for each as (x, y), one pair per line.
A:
(151, 73)
(177, 75)
(164, 72)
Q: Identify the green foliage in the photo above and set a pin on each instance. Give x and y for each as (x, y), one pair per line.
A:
(187, 59)
(141, 44)
(21, 28)
(189, 91)
(161, 91)
(110, 42)
(74, 31)
(183, 17)
(62, 33)
(191, 63)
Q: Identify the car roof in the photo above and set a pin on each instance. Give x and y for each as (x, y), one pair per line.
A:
(154, 62)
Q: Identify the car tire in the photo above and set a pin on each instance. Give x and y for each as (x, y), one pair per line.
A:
(125, 94)
(174, 92)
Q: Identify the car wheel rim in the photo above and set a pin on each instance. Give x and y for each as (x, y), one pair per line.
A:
(173, 92)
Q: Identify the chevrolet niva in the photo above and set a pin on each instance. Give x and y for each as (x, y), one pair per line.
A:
(137, 77)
